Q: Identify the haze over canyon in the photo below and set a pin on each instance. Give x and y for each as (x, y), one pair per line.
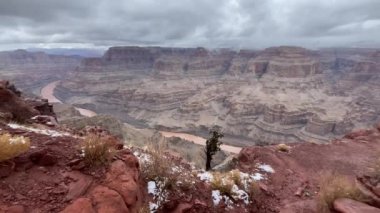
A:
(276, 95)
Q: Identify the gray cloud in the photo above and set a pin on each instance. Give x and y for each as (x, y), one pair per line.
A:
(209, 23)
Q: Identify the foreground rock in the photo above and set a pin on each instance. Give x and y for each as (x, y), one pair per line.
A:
(52, 173)
(295, 181)
(345, 205)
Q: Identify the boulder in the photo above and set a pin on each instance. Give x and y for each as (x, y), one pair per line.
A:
(12, 209)
(345, 205)
(81, 205)
(107, 200)
(12, 104)
(122, 177)
(43, 157)
(79, 186)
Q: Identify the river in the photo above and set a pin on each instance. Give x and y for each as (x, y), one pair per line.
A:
(47, 92)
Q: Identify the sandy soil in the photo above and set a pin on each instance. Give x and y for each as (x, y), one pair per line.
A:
(48, 93)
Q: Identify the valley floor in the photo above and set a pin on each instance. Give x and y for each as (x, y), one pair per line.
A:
(47, 92)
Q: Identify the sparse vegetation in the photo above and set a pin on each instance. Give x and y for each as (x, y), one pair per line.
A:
(144, 209)
(334, 186)
(155, 166)
(283, 147)
(224, 185)
(253, 190)
(12, 146)
(212, 145)
(96, 150)
(235, 177)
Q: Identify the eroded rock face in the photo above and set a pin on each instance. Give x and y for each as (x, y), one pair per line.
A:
(345, 205)
(14, 106)
(119, 192)
(31, 70)
(282, 94)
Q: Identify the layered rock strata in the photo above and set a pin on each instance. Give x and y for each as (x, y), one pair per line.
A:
(30, 71)
(281, 94)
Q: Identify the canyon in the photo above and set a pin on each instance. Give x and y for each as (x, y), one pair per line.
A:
(29, 71)
(276, 95)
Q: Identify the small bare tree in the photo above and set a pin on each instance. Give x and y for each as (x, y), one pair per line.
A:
(212, 145)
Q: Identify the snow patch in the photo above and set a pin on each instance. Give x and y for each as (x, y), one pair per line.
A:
(216, 197)
(152, 188)
(205, 176)
(266, 168)
(143, 157)
(156, 188)
(153, 207)
(239, 194)
(257, 176)
(49, 132)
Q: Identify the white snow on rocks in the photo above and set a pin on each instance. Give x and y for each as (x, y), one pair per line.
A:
(49, 132)
(216, 197)
(266, 168)
(156, 188)
(257, 176)
(143, 157)
(239, 194)
(152, 188)
(153, 207)
(205, 176)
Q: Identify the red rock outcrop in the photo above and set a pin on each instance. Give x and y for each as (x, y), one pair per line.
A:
(118, 192)
(298, 171)
(345, 205)
(12, 104)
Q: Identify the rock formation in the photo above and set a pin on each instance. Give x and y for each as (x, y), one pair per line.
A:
(31, 70)
(281, 94)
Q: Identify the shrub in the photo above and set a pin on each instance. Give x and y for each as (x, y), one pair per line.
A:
(222, 184)
(144, 208)
(334, 186)
(283, 147)
(235, 177)
(156, 165)
(12, 146)
(96, 151)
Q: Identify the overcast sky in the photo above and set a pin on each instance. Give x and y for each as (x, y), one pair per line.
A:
(189, 23)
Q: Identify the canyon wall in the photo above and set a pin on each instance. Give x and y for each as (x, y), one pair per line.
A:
(277, 95)
(31, 70)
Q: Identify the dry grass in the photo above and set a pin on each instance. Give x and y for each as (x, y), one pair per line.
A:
(144, 209)
(157, 166)
(254, 190)
(96, 150)
(283, 147)
(235, 177)
(12, 146)
(222, 184)
(334, 186)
